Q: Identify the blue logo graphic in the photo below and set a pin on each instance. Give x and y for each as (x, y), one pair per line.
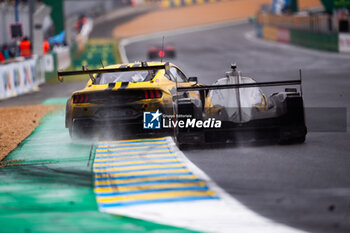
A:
(151, 120)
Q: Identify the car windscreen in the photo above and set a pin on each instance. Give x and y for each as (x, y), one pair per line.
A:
(126, 76)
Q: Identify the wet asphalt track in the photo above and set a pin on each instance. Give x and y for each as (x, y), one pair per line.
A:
(304, 186)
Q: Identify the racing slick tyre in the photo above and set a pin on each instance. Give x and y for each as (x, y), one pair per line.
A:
(189, 136)
(293, 128)
(77, 132)
(298, 140)
(293, 135)
(74, 133)
(70, 131)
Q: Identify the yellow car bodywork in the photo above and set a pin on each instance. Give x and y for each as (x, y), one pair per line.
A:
(89, 110)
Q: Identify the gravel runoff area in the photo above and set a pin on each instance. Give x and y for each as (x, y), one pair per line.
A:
(17, 123)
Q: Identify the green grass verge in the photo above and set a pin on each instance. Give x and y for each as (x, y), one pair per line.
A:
(46, 185)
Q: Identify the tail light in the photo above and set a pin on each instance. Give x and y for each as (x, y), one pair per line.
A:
(152, 94)
(161, 53)
(83, 98)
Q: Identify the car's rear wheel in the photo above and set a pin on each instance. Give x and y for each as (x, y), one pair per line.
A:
(171, 54)
(152, 55)
(292, 135)
(70, 131)
(297, 140)
(76, 132)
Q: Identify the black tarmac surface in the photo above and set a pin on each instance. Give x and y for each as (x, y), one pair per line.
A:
(304, 186)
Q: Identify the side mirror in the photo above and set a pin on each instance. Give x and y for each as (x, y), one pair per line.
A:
(193, 80)
(59, 77)
(167, 67)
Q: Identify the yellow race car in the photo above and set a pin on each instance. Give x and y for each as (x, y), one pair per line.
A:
(116, 97)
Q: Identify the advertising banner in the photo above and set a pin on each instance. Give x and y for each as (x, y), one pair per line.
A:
(63, 57)
(283, 35)
(49, 62)
(344, 42)
(21, 77)
(270, 33)
(7, 82)
(39, 70)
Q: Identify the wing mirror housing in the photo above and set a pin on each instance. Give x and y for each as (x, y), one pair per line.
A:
(59, 77)
(193, 80)
(167, 68)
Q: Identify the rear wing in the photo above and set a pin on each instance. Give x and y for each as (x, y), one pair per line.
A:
(236, 73)
(204, 89)
(122, 68)
(241, 85)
